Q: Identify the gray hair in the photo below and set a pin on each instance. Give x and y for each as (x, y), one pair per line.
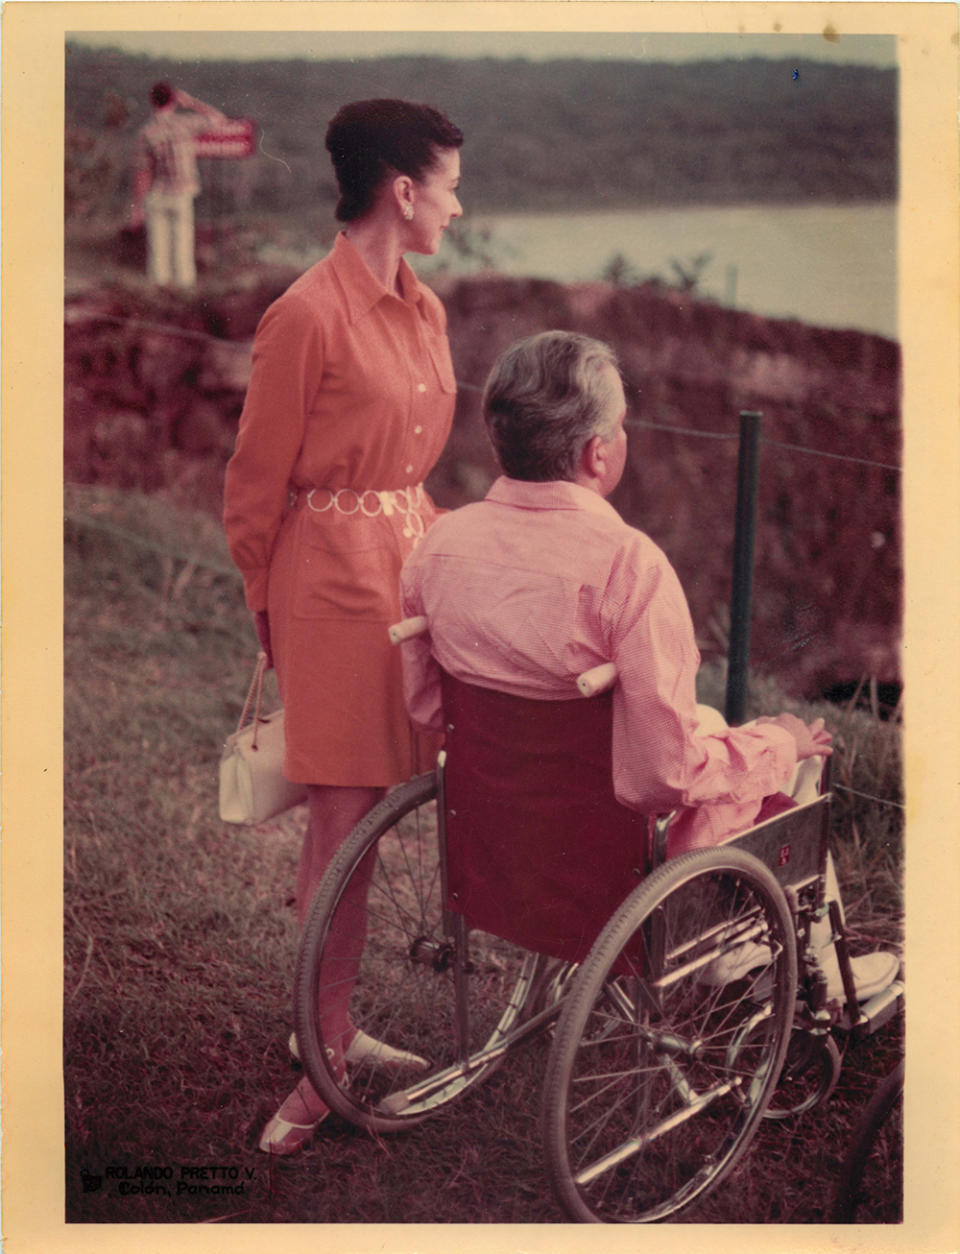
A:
(545, 397)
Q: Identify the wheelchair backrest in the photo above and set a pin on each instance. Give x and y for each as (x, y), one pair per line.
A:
(539, 851)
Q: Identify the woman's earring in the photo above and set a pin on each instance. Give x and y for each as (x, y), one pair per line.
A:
(408, 212)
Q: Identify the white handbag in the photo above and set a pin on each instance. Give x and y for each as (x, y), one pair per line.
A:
(252, 785)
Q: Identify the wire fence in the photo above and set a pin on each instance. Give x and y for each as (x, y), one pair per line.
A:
(880, 801)
(76, 314)
(734, 435)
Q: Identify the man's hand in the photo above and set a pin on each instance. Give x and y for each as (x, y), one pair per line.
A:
(186, 101)
(813, 740)
(261, 623)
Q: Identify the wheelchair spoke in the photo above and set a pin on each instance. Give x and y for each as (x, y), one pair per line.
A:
(386, 884)
(421, 868)
(590, 1133)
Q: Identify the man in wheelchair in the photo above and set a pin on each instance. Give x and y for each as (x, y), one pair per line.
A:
(543, 580)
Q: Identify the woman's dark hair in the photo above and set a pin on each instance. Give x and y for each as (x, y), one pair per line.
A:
(370, 139)
(161, 94)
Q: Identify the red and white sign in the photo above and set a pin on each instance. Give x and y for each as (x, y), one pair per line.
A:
(234, 138)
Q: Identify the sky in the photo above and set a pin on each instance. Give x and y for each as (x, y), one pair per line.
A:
(879, 50)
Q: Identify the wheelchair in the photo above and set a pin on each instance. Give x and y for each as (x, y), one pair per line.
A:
(507, 893)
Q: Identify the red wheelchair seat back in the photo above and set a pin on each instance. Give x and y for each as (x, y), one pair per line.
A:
(539, 851)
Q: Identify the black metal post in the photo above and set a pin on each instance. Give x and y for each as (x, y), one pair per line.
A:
(741, 592)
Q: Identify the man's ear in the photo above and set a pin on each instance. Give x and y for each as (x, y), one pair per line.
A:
(592, 460)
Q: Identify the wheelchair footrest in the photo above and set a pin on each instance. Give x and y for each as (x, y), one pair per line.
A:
(875, 1012)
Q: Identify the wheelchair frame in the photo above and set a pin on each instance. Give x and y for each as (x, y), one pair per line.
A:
(665, 1055)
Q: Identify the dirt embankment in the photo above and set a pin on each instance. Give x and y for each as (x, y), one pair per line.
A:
(154, 385)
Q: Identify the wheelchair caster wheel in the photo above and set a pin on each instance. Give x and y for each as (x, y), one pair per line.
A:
(809, 1075)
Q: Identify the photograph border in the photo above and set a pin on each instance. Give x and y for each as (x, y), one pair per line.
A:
(32, 565)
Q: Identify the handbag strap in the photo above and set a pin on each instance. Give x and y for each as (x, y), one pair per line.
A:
(255, 692)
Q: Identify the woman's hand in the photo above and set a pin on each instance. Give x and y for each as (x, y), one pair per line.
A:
(261, 623)
(813, 740)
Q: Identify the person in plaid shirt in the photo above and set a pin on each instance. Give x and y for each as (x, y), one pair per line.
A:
(166, 182)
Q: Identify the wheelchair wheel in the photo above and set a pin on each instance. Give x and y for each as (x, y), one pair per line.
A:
(875, 1159)
(671, 1040)
(375, 959)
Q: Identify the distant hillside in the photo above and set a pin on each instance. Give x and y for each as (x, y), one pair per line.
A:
(540, 135)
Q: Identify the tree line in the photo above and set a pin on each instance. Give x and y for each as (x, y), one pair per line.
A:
(564, 134)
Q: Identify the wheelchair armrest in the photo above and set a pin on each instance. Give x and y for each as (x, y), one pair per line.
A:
(407, 628)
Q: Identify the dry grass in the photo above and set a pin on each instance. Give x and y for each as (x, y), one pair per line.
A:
(180, 939)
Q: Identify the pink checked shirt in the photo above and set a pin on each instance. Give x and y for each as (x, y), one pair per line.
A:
(541, 581)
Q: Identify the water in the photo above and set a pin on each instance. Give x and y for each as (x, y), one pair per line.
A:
(829, 265)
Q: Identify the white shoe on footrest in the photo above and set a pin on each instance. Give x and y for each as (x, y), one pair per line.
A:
(872, 973)
(737, 964)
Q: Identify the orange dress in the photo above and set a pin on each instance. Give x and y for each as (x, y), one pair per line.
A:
(352, 387)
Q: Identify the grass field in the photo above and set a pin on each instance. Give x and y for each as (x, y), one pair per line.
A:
(180, 937)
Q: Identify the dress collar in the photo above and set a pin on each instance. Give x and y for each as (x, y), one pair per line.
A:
(554, 494)
(361, 288)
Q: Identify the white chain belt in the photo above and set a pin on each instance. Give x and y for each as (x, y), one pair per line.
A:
(368, 502)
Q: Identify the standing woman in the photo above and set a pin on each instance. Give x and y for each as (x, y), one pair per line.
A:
(350, 402)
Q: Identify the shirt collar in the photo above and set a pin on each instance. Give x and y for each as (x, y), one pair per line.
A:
(361, 288)
(554, 494)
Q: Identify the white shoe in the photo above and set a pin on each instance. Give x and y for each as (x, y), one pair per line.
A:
(365, 1049)
(285, 1136)
(737, 964)
(872, 973)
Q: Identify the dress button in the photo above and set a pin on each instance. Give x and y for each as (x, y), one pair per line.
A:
(421, 387)
(409, 470)
(418, 430)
